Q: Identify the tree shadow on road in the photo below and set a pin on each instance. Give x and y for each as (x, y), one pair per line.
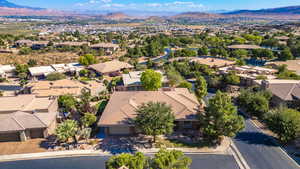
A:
(256, 138)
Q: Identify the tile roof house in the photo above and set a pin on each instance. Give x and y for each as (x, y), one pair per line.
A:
(70, 43)
(32, 44)
(249, 74)
(213, 61)
(122, 107)
(293, 65)
(284, 91)
(244, 46)
(26, 116)
(109, 48)
(111, 67)
(64, 86)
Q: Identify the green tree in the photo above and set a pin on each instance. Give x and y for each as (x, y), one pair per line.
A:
(253, 38)
(203, 51)
(55, 76)
(172, 159)
(154, 119)
(66, 130)
(214, 81)
(131, 161)
(240, 53)
(231, 78)
(185, 84)
(151, 80)
(88, 59)
(263, 54)
(284, 122)
(284, 73)
(67, 103)
(201, 87)
(22, 68)
(88, 119)
(25, 51)
(174, 76)
(220, 119)
(253, 102)
(286, 54)
(84, 105)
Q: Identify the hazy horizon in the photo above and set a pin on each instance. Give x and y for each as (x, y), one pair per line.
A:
(155, 6)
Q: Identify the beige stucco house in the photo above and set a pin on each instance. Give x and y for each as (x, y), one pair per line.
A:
(25, 117)
(122, 107)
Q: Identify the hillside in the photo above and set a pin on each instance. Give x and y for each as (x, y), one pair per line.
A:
(116, 16)
(195, 15)
(291, 10)
(6, 4)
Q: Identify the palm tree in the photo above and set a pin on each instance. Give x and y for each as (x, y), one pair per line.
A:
(66, 130)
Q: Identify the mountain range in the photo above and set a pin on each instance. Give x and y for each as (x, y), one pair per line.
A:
(5, 3)
(292, 12)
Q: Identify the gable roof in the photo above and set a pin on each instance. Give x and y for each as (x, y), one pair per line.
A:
(24, 103)
(285, 90)
(213, 61)
(111, 66)
(64, 86)
(19, 121)
(122, 105)
(22, 112)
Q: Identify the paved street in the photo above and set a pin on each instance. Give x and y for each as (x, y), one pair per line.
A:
(259, 151)
(97, 162)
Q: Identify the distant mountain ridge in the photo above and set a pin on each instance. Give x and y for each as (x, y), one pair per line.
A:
(195, 15)
(116, 16)
(291, 10)
(7, 4)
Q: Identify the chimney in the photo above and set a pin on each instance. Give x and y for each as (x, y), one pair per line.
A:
(265, 84)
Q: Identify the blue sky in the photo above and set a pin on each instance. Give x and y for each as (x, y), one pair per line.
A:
(157, 5)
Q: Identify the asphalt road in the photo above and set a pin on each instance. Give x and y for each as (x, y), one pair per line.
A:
(259, 151)
(98, 162)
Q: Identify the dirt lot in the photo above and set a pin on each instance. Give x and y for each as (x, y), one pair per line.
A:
(42, 59)
(30, 146)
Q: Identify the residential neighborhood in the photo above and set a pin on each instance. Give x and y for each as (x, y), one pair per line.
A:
(190, 89)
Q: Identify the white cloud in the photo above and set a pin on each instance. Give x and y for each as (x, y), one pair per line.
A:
(167, 6)
(106, 1)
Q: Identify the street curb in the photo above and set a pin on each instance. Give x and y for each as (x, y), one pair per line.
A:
(242, 163)
(277, 144)
(272, 139)
(17, 157)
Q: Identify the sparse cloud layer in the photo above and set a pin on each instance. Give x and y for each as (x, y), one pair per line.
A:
(164, 6)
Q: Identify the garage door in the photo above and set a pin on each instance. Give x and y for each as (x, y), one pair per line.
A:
(9, 137)
(119, 130)
(36, 133)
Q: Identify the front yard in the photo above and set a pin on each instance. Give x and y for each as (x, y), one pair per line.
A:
(132, 144)
(30, 146)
